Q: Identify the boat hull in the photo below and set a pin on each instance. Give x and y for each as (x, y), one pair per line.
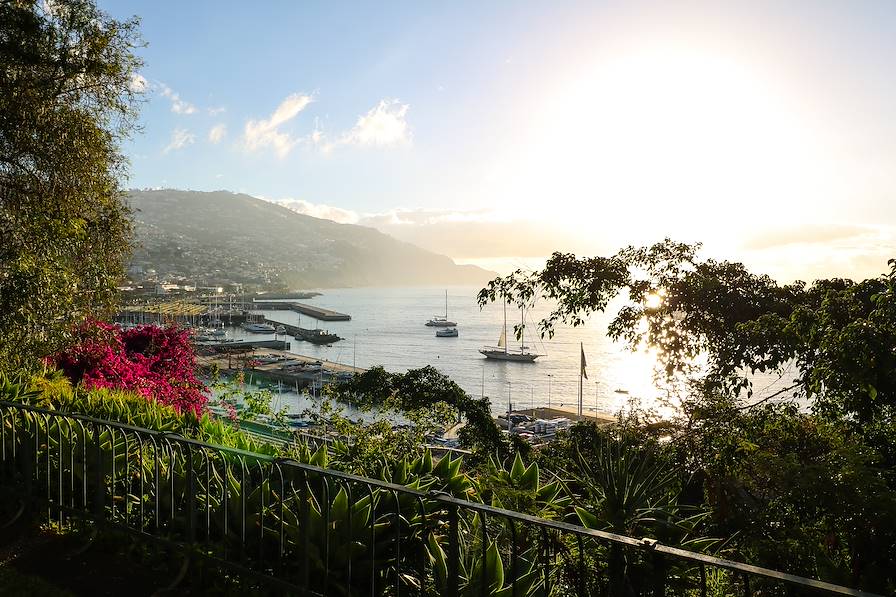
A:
(500, 355)
(316, 336)
(259, 328)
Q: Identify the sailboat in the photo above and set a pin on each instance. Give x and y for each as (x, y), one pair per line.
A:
(502, 353)
(441, 322)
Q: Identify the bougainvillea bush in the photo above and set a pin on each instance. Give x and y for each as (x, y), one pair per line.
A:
(155, 362)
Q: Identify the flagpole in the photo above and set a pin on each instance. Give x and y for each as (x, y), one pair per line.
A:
(582, 351)
(580, 393)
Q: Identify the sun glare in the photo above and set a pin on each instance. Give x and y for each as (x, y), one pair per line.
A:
(671, 135)
(653, 301)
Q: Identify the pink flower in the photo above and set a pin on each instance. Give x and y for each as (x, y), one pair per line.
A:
(158, 363)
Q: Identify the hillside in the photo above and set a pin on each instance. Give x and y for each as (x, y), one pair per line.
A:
(220, 237)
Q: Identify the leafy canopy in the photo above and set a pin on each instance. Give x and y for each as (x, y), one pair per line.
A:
(67, 100)
(840, 334)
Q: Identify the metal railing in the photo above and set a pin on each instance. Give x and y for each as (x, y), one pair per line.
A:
(317, 531)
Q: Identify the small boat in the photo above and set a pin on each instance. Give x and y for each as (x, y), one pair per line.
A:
(281, 329)
(446, 333)
(259, 328)
(218, 333)
(316, 336)
(442, 322)
(620, 391)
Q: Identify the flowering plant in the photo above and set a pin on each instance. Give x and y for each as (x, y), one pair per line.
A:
(155, 362)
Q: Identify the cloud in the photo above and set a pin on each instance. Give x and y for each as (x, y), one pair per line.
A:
(319, 210)
(178, 106)
(804, 234)
(217, 133)
(138, 83)
(180, 138)
(383, 125)
(464, 234)
(259, 134)
(216, 111)
(475, 233)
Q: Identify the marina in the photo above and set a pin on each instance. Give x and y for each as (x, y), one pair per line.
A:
(385, 329)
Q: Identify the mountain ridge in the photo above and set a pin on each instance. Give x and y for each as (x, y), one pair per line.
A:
(221, 236)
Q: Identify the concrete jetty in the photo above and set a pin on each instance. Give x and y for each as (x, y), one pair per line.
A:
(250, 344)
(319, 313)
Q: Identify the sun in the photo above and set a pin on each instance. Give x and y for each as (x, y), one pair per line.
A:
(678, 137)
(653, 301)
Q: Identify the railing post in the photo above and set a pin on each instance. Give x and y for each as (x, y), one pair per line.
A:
(99, 493)
(191, 496)
(453, 551)
(27, 469)
(659, 574)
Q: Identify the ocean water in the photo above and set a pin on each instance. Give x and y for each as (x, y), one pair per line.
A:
(387, 328)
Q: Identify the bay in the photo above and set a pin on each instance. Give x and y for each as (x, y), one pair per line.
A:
(387, 328)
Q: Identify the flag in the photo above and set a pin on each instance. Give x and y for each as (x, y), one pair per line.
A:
(584, 363)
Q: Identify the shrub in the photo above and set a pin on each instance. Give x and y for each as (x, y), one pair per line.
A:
(154, 362)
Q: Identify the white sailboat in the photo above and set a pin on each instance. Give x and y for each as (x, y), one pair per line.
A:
(442, 322)
(502, 353)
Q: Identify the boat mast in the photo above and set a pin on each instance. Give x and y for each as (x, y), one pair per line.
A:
(446, 304)
(505, 327)
(522, 331)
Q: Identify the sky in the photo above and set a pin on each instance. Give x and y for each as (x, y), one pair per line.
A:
(499, 132)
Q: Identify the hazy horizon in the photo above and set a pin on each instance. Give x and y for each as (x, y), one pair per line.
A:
(497, 134)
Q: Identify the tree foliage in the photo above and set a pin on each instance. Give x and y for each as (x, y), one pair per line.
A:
(67, 100)
(427, 392)
(812, 493)
(839, 334)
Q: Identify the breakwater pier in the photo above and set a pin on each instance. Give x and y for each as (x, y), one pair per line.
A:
(319, 313)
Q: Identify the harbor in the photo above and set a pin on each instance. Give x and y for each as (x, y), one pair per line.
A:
(387, 327)
(192, 311)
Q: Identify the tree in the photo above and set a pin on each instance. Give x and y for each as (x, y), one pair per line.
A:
(67, 99)
(802, 492)
(840, 334)
(428, 393)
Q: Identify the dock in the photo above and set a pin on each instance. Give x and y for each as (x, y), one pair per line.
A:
(542, 412)
(293, 370)
(248, 344)
(292, 330)
(319, 313)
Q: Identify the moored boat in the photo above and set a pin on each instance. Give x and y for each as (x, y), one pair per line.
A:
(259, 328)
(316, 336)
(446, 333)
(502, 353)
(442, 322)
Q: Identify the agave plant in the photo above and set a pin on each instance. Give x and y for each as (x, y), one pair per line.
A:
(632, 491)
(519, 488)
(481, 567)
